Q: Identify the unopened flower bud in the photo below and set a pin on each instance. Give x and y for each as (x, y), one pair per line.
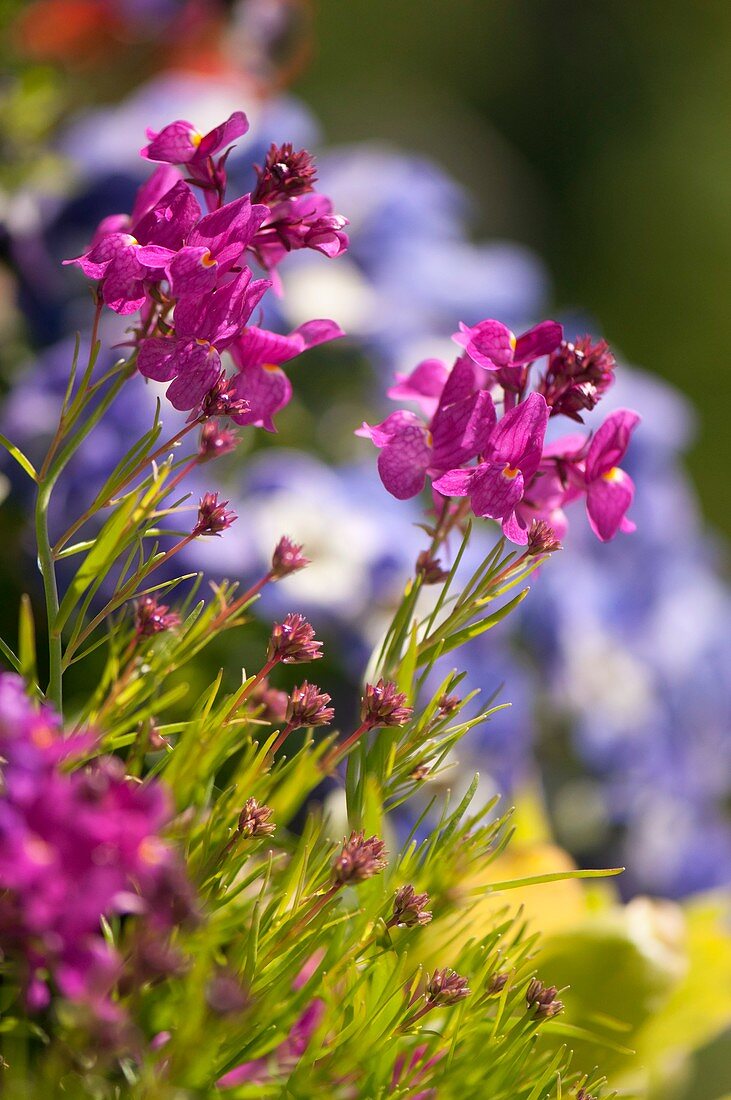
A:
(448, 704)
(223, 400)
(383, 705)
(152, 617)
(359, 859)
(284, 175)
(274, 702)
(576, 377)
(409, 908)
(255, 820)
(542, 538)
(496, 984)
(215, 441)
(430, 569)
(446, 987)
(224, 994)
(287, 558)
(543, 999)
(308, 706)
(293, 641)
(213, 518)
(420, 772)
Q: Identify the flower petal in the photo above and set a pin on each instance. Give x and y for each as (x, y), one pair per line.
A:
(609, 445)
(540, 340)
(518, 437)
(490, 344)
(496, 490)
(607, 499)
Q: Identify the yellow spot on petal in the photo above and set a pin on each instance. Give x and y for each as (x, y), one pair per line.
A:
(510, 472)
(513, 341)
(270, 367)
(615, 474)
(196, 138)
(151, 851)
(429, 439)
(42, 737)
(208, 260)
(37, 850)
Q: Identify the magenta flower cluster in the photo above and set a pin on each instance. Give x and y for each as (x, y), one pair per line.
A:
(190, 276)
(76, 846)
(482, 432)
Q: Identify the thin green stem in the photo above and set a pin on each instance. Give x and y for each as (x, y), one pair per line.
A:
(45, 563)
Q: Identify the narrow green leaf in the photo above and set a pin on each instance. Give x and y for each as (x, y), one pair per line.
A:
(27, 641)
(534, 880)
(20, 458)
(9, 656)
(99, 559)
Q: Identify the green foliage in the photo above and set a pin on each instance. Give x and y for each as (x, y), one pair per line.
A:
(333, 994)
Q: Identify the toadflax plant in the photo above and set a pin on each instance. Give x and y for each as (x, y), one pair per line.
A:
(222, 895)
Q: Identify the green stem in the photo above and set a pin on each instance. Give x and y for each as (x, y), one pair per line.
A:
(54, 692)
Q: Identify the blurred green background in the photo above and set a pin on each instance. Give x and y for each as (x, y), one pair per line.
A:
(597, 132)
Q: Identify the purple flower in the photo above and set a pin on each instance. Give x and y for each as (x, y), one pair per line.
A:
(215, 441)
(609, 490)
(181, 143)
(306, 221)
(409, 908)
(446, 987)
(492, 345)
(204, 326)
(213, 247)
(496, 486)
(125, 259)
(282, 1061)
(75, 847)
(258, 355)
(458, 431)
(255, 820)
(424, 385)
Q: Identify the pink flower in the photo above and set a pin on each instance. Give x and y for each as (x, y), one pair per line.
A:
(213, 247)
(306, 221)
(126, 260)
(457, 433)
(258, 355)
(492, 345)
(181, 143)
(497, 486)
(74, 847)
(609, 490)
(424, 385)
(204, 326)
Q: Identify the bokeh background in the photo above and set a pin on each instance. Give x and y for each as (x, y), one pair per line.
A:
(496, 158)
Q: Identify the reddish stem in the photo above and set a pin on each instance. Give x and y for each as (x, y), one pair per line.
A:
(289, 728)
(336, 753)
(246, 689)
